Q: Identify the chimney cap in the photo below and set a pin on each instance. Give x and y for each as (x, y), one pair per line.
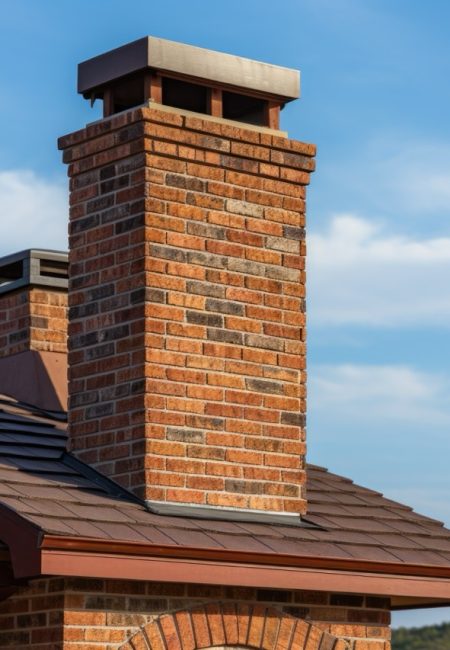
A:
(36, 267)
(195, 63)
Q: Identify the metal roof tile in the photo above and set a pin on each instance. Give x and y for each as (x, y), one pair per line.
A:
(39, 480)
(247, 543)
(373, 553)
(153, 535)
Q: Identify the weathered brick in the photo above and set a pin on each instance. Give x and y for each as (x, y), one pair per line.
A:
(225, 336)
(263, 386)
(246, 266)
(185, 435)
(242, 207)
(225, 307)
(201, 318)
(206, 230)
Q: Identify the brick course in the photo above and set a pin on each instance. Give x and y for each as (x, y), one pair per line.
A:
(187, 316)
(96, 614)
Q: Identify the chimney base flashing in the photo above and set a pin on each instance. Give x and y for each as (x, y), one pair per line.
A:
(227, 514)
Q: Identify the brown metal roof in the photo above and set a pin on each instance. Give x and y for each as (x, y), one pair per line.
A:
(37, 376)
(60, 496)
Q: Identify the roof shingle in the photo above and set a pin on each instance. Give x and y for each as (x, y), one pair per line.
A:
(41, 482)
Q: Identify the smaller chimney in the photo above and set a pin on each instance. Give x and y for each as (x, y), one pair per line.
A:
(33, 327)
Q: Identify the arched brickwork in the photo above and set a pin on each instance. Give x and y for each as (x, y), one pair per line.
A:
(227, 624)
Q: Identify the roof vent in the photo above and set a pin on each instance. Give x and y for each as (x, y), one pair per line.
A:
(189, 78)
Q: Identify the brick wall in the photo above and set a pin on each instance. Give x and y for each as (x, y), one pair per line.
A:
(187, 339)
(91, 614)
(33, 319)
(33, 617)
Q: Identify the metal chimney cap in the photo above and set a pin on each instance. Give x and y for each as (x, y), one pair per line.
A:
(196, 63)
(34, 267)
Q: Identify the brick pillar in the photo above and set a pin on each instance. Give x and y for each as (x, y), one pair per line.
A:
(187, 339)
(33, 327)
(33, 318)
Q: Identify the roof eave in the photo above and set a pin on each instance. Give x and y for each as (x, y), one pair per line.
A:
(35, 553)
(23, 540)
(135, 561)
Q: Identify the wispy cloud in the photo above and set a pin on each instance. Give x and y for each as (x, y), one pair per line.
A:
(413, 175)
(33, 212)
(386, 392)
(385, 426)
(405, 177)
(359, 273)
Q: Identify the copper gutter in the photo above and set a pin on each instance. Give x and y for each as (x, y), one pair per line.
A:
(90, 545)
(134, 561)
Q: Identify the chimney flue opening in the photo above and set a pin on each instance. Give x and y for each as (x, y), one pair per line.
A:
(184, 95)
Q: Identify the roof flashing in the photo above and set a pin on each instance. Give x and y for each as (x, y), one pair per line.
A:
(218, 513)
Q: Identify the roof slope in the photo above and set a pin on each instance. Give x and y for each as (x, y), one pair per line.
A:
(59, 495)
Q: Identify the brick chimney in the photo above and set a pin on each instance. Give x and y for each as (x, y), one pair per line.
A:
(187, 282)
(33, 327)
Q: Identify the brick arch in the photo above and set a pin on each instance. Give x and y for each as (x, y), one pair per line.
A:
(223, 625)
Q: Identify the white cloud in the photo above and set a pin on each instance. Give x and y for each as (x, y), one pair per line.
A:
(386, 393)
(413, 175)
(397, 175)
(33, 212)
(360, 274)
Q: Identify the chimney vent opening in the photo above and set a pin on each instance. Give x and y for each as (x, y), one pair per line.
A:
(53, 269)
(251, 110)
(11, 272)
(184, 95)
(126, 93)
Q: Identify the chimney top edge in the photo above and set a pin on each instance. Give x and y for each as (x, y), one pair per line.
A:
(204, 65)
(34, 267)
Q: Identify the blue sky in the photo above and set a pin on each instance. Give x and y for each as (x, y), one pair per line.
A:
(376, 100)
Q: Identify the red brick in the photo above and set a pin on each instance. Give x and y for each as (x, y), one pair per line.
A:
(230, 623)
(200, 626)
(154, 635)
(239, 186)
(313, 640)
(271, 627)
(184, 624)
(205, 392)
(285, 633)
(215, 623)
(256, 626)
(169, 632)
